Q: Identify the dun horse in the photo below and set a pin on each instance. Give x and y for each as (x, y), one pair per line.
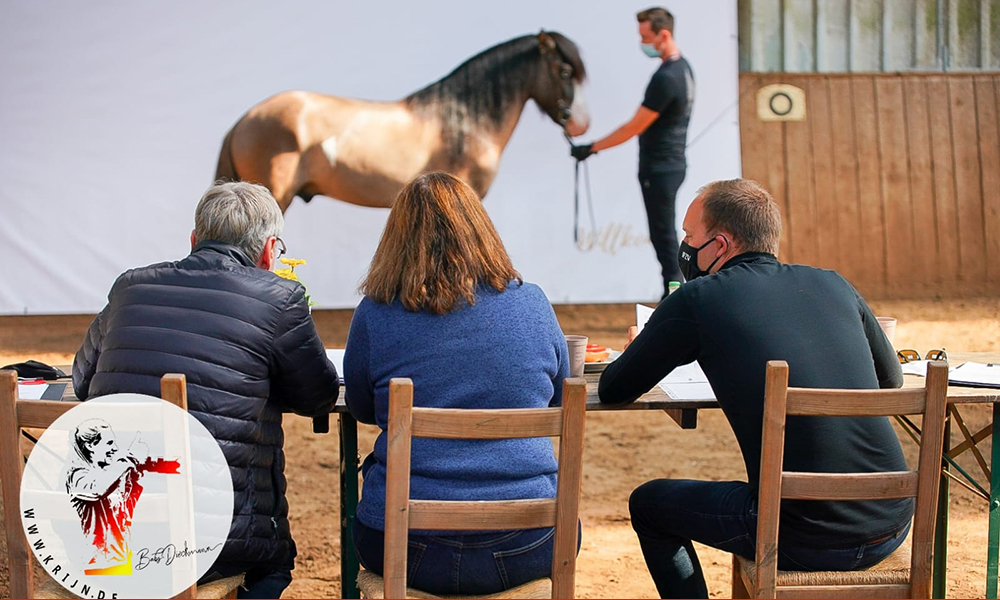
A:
(306, 144)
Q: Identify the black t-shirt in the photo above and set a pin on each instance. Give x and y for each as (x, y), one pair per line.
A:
(671, 94)
(756, 309)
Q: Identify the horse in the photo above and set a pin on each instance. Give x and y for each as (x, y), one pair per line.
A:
(305, 144)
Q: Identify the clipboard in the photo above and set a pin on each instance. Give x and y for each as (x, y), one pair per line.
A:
(975, 374)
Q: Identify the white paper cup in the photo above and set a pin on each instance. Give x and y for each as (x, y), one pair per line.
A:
(577, 345)
(888, 325)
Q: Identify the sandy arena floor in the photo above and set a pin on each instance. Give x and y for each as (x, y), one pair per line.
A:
(622, 451)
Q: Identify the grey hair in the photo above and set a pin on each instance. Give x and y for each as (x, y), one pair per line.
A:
(242, 214)
(744, 209)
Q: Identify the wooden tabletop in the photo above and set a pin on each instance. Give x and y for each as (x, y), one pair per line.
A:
(657, 399)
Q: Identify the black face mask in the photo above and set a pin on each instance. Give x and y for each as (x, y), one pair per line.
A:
(687, 258)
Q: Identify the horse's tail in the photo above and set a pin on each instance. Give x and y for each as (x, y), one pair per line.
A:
(226, 170)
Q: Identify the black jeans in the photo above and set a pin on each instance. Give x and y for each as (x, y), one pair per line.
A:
(659, 193)
(464, 564)
(668, 514)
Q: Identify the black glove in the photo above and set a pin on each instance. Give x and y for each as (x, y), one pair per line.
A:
(582, 152)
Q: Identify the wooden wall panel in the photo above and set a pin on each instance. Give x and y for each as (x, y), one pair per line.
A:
(897, 205)
(925, 255)
(800, 200)
(872, 278)
(851, 251)
(943, 164)
(892, 179)
(968, 182)
(989, 152)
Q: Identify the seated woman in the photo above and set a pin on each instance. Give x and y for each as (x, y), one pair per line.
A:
(444, 306)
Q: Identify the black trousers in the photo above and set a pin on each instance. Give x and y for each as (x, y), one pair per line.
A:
(659, 193)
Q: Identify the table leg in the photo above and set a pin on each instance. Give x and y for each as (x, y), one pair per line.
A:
(348, 505)
(993, 548)
(940, 578)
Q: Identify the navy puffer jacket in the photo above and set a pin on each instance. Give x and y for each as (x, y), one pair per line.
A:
(248, 346)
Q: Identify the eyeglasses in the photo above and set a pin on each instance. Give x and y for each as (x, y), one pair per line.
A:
(906, 356)
(279, 246)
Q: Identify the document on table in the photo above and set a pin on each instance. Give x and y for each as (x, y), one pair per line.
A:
(40, 391)
(975, 374)
(687, 382)
(336, 356)
(916, 367)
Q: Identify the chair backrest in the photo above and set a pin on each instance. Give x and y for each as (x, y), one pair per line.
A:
(777, 484)
(16, 414)
(402, 514)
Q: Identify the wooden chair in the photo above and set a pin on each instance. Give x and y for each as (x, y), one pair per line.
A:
(889, 579)
(16, 414)
(402, 514)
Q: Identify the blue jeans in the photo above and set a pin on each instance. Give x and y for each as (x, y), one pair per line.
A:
(464, 564)
(668, 514)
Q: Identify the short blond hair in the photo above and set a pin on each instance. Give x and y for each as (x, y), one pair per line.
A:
(744, 209)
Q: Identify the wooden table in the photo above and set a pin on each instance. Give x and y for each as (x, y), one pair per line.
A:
(685, 414)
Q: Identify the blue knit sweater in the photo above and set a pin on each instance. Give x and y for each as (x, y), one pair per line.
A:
(505, 351)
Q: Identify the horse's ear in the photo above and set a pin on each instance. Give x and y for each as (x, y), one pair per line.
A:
(545, 40)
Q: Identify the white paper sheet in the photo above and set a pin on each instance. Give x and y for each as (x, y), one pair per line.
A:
(336, 356)
(688, 391)
(642, 314)
(973, 373)
(32, 391)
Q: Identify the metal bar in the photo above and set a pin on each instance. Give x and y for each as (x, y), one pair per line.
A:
(968, 437)
(910, 428)
(348, 505)
(940, 587)
(993, 547)
(977, 437)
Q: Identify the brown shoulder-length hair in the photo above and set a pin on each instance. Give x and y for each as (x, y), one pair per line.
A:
(438, 246)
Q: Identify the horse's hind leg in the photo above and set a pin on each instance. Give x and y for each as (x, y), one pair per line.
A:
(284, 178)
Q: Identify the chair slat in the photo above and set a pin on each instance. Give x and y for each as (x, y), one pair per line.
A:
(848, 486)
(41, 413)
(574, 417)
(458, 423)
(18, 554)
(484, 515)
(855, 403)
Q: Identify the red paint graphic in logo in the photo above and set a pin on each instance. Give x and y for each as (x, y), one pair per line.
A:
(103, 484)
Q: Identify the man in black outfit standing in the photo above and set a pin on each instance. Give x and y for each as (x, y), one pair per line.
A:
(739, 309)
(661, 124)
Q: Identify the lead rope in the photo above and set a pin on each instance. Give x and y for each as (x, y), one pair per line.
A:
(576, 198)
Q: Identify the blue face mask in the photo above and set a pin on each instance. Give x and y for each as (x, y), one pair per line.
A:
(650, 50)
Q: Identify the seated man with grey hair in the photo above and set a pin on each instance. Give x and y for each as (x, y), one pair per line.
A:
(740, 308)
(246, 342)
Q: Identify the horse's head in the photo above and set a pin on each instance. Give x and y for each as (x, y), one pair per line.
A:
(556, 86)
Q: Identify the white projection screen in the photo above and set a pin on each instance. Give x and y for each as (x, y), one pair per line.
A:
(112, 116)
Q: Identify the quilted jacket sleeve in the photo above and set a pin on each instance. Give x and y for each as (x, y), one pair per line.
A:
(305, 381)
(85, 362)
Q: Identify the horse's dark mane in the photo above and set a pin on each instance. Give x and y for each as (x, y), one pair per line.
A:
(486, 84)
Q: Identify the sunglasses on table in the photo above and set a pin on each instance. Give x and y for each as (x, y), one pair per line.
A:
(906, 356)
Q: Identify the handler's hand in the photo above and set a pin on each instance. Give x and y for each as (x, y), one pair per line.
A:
(582, 152)
(633, 331)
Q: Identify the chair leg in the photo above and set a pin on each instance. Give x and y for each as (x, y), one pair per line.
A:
(739, 588)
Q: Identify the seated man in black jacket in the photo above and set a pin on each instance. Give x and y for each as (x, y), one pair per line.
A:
(739, 309)
(245, 340)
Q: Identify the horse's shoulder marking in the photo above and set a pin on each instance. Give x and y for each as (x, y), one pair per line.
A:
(329, 147)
